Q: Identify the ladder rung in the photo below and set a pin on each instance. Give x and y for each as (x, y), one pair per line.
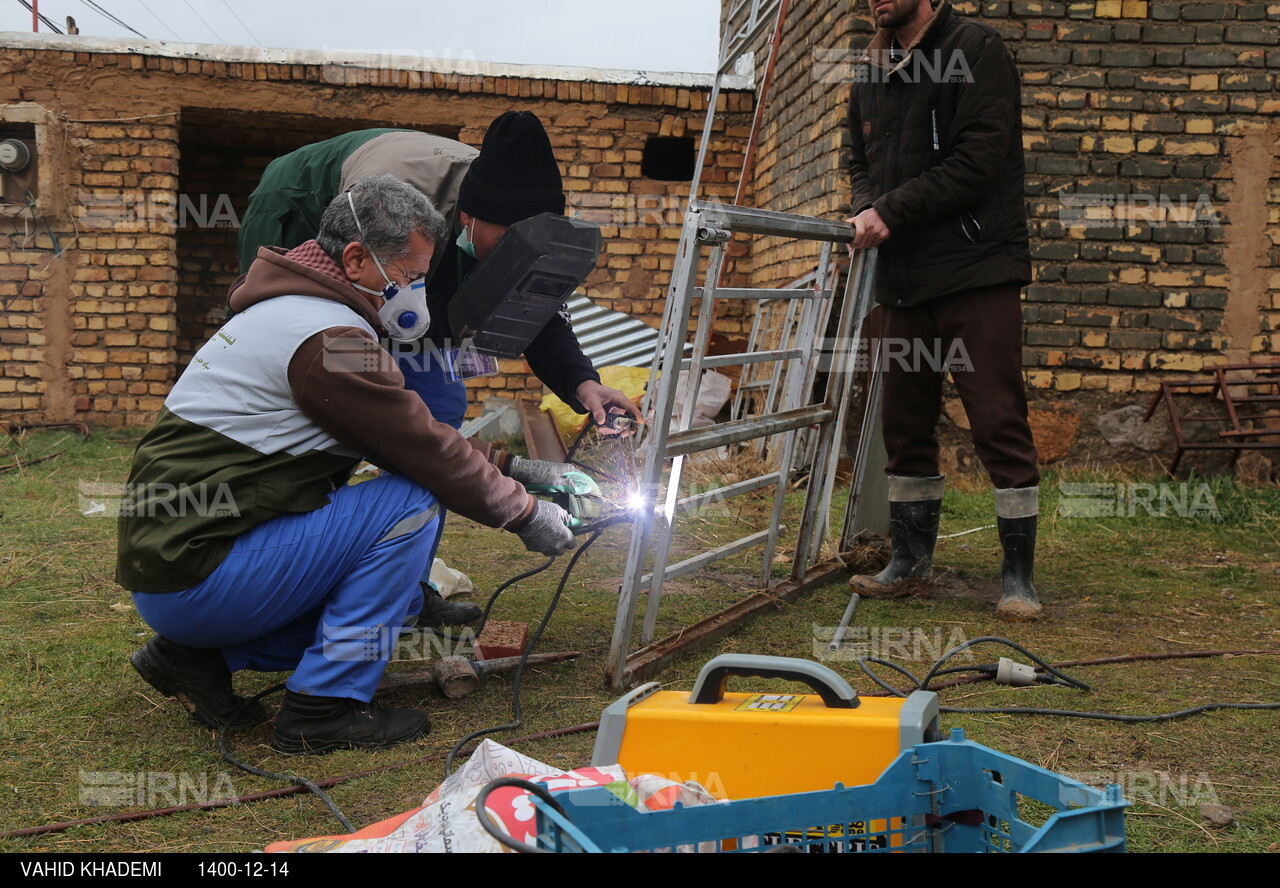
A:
(763, 293)
(782, 354)
(739, 430)
(689, 565)
(720, 494)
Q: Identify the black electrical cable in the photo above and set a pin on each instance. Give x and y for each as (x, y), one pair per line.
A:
(1107, 716)
(482, 813)
(516, 708)
(1027, 710)
(987, 639)
(50, 25)
(114, 18)
(493, 597)
(292, 778)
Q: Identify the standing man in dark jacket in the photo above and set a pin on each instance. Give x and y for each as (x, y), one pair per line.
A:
(937, 174)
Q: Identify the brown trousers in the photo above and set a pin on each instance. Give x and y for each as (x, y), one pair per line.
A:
(976, 335)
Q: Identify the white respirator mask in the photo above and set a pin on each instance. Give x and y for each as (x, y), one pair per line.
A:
(404, 310)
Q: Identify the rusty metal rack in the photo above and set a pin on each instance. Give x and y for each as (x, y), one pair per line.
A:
(1250, 396)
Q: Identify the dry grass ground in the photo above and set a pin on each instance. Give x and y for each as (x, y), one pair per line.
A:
(71, 707)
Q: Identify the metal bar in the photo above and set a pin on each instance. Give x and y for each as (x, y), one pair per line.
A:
(747, 220)
(719, 494)
(705, 140)
(741, 358)
(661, 398)
(853, 516)
(853, 307)
(689, 565)
(738, 36)
(748, 375)
(540, 434)
(652, 658)
(725, 433)
(800, 382)
(662, 548)
(767, 294)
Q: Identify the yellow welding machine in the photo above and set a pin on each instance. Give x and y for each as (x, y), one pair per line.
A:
(742, 746)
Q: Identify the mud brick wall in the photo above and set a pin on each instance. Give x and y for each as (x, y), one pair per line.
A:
(1152, 137)
(115, 255)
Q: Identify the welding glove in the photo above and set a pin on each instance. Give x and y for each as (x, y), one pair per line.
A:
(541, 477)
(547, 530)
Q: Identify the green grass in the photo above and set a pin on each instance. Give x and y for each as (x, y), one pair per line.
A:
(70, 705)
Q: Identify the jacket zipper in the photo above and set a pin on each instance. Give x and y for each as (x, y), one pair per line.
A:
(965, 228)
(933, 120)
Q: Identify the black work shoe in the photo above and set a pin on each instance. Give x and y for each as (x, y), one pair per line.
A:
(1019, 602)
(437, 612)
(312, 725)
(198, 678)
(914, 528)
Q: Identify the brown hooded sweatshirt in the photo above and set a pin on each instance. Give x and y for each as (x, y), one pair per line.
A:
(275, 411)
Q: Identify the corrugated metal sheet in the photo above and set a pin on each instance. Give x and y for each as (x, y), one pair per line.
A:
(611, 338)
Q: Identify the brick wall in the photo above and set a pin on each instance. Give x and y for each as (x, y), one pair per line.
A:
(1142, 121)
(147, 160)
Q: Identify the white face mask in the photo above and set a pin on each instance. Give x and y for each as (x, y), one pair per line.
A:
(404, 310)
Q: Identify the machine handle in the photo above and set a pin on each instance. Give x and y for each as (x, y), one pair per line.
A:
(834, 690)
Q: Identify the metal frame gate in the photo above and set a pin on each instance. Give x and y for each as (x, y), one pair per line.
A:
(782, 417)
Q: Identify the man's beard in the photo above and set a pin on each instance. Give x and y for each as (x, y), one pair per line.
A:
(897, 15)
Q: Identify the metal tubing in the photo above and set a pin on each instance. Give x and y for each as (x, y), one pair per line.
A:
(706, 320)
(766, 294)
(675, 317)
(747, 220)
(691, 503)
(689, 565)
(743, 358)
(696, 440)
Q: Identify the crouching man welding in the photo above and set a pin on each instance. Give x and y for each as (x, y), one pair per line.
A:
(514, 177)
(294, 569)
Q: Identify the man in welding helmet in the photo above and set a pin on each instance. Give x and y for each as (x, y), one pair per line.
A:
(513, 177)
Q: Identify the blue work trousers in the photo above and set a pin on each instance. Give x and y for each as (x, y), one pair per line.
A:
(322, 593)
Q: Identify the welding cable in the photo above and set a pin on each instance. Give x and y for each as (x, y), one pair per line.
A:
(863, 663)
(517, 710)
(482, 813)
(292, 778)
(493, 597)
(995, 639)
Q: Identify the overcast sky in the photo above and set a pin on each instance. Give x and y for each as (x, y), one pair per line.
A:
(652, 35)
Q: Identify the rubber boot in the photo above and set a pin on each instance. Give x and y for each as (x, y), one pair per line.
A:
(313, 725)
(199, 679)
(915, 505)
(1016, 517)
(437, 612)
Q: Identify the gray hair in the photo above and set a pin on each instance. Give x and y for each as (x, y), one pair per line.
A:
(390, 210)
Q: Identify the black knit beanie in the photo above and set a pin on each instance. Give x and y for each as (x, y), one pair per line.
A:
(515, 176)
